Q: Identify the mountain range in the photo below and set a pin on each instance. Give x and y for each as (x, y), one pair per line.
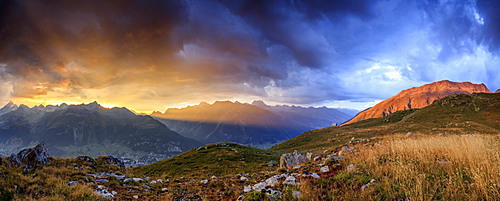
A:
(419, 97)
(255, 124)
(89, 129)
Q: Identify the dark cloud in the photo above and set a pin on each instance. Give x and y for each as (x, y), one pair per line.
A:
(286, 51)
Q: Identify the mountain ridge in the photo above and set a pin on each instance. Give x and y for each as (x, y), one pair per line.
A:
(418, 97)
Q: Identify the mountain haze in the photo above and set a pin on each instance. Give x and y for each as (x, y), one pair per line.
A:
(419, 97)
(226, 121)
(69, 130)
(310, 117)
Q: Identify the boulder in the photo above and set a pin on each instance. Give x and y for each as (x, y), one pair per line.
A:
(291, 160)
(30, 157)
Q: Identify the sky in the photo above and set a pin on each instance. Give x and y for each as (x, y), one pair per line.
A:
(152, 55)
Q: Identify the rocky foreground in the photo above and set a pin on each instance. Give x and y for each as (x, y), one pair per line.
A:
(107, 177)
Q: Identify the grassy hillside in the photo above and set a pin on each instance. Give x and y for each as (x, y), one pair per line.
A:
(215, 159)
(456, 114)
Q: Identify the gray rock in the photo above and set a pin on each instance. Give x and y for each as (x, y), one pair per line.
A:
(127, 180)
(272, 181)
(101, 180)
(30, 157)
(324, 169)
(137, 179)
(104, 193)
(291, 160)
(259, 186)
(291, 180)
(409, 134)
(113, 160)
(247, 189)
(87, 158)
(72, 183)
(146, 187)
(310, 156)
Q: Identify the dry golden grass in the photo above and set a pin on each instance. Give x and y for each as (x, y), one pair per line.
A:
(453, 167)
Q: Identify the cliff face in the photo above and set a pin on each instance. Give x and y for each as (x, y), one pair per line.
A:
(419, 97)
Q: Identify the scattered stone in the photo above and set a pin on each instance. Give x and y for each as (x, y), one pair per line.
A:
(259, 186)
(243, 178)
(159, 181)
(152, 182)
(137, 179)
(241, 198)
(113, 161)
(107, 174)
(317, 158)
(127, 180)
(351, 168)
(409, 134)
(313, 175)
(310, 156)
(146, 187)
(247, 189)
(291, 180)
(297, 194)
(204, 181)
(147, 178)
(324, 169)
(114, 192)
(30, 157)
(164, 189)
(72, 183)
(103, 193)
(290, 160)
(372, 182)
(87, 158)
(214, 177)
(272, 181)
(101, 180)
(135, 197)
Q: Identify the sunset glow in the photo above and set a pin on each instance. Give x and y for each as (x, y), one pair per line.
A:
(151, 56)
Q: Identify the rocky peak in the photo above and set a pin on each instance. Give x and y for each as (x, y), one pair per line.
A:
(8, 108)
(498, 91)
(259, 103)
(419, 97)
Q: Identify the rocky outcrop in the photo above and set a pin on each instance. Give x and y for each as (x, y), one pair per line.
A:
(419, 97)
(86, 158)
(497, 91)
(30, 157)
(291, 160)
(113, 160)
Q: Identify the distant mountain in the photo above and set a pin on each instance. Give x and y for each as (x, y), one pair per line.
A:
(226, 121)
(419, 97)
(498, 91)
(70, 130)
(457, 114)
(309, 117)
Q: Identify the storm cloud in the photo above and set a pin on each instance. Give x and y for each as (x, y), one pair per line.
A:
(154, 54)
